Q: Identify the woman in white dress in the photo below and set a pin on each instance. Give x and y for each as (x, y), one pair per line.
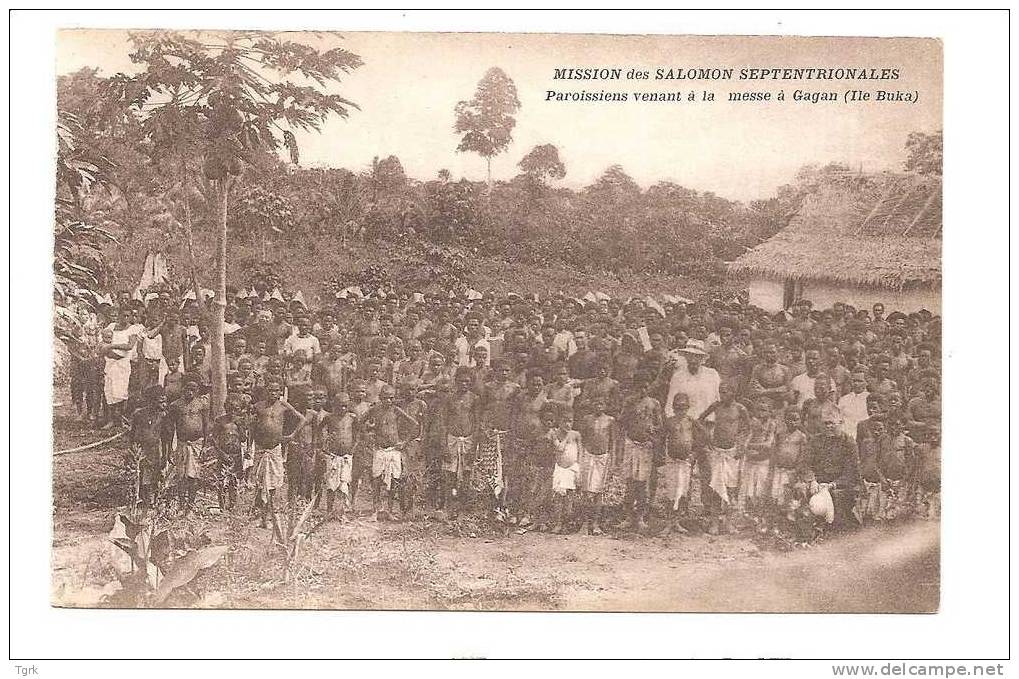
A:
(118, 347)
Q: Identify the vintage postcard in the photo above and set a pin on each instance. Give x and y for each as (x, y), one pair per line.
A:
(496, 321)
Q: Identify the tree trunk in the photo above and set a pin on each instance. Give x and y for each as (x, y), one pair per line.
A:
(219, 306)
(189, 237)
(488, 161)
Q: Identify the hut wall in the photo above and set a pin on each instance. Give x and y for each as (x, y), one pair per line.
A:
(824, 294)
(766, 294)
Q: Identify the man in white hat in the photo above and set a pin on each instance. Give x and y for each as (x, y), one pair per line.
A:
(694, 379)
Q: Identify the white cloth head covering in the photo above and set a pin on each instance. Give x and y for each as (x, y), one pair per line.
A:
(694, 346)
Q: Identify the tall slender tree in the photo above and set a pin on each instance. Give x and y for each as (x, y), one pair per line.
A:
(228, 96)
(486, 121)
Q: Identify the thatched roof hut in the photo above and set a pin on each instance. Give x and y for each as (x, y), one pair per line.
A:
(860, 236)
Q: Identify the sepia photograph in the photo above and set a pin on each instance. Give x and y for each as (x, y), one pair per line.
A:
(497, 322)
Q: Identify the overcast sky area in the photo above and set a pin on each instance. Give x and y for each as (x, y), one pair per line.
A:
(410, 83)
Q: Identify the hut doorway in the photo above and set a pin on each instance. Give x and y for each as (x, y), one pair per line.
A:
(792, 291)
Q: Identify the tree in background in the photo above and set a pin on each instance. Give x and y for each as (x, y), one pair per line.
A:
(542, 163)
(453, 209)
(231, 96)
(388, 177)
(262, 213)
(78, 263)
(486, 121)
(925, 152)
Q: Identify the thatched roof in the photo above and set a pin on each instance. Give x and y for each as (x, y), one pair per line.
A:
(882, 230)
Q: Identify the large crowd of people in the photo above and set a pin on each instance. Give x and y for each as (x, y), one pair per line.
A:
(544, 412)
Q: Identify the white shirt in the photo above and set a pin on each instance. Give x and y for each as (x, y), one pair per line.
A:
(854, 411)
(701, 389)
(803, 385)
(645, 338)
(295, 343)
(564, 344)
(464, 347)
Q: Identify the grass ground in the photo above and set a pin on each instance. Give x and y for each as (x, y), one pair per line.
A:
(364, 564)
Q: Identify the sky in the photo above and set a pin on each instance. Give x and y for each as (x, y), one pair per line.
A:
(410, 83)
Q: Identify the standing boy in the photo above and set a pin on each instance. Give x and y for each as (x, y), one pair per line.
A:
(457, 429)
(338, 450)
(268, 440)
(190, 418)
(148, 437)
(495, 417)
(756, 469)
(642, 425)
(730, 427)
(680, 435)
(789, 462)
(566, 447)
(599, 434)
(383, 421)
(413, 461)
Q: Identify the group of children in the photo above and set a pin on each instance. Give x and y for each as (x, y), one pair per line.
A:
(556, 414)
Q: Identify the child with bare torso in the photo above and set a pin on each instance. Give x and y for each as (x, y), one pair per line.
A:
(150, 434)
(338, 369)
(760, 448)
(642, 424)
(338, 438)
(563, 389)
(601, 387)
(495, 417)
(374, 383)
(566, 449)
(360, 405)
(523, 471)
(789, 463)
(599, 433)
(681, 433)
(228, 441)
(770, 378)
(731, 423)
(268, 440)
(457, 431)
(190, 418)
(413, 450)
(304, 451)
(383, 421)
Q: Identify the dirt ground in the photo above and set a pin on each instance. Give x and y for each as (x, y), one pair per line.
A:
(364, 564)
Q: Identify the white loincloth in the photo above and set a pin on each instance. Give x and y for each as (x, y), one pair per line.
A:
(724, 470)
(338, 472)
(565, 478)
(387, 463)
